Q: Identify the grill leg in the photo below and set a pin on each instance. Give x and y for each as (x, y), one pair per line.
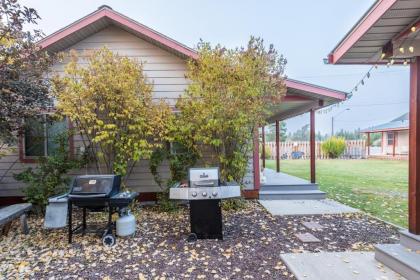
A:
(84, 220)
(110, 219)
(70, 210)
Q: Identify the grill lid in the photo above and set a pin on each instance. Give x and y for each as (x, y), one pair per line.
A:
(204, 177)
(95, 184)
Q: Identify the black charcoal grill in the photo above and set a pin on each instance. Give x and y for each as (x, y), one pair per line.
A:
(204, 192)
(97, 193)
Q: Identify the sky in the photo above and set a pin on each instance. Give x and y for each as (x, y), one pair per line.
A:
(304, 31)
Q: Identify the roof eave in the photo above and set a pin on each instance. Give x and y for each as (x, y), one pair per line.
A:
(373, 14)
(123, 20)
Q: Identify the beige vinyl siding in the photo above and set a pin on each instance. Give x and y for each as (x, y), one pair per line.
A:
(165, 70)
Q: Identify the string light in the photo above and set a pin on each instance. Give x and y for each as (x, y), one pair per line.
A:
(411, 49)
(402, 50)
(413, 29)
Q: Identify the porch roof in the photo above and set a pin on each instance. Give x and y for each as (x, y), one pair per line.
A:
(385, 28)
(301, 97)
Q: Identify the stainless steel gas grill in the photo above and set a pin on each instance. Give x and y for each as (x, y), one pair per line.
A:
(204, 192)
(97, 193)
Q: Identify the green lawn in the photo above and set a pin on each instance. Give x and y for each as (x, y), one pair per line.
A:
(378, 187)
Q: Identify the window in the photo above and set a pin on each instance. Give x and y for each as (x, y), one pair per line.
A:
(40, 135)
(390, 138)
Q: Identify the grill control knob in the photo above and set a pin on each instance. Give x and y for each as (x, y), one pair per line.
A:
(194, 194)
(214, 194)
(204, 194)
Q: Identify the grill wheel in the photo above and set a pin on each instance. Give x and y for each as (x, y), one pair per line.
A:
(108, 240)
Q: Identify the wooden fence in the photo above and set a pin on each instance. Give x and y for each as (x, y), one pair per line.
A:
(354, 149)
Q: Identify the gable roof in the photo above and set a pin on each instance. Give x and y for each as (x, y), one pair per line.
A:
(104, 17)
(400, 123)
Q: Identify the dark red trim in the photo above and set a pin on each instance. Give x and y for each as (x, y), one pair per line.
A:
(250, 194)
(256, 160)
(263, 146)
(414, 147)
(9, 200)
(386, 130)
(314, 89)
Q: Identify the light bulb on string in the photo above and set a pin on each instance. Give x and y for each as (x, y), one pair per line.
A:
(363, 82)
(411, 49)
(368, 75)
(402, 50)
(413, 29)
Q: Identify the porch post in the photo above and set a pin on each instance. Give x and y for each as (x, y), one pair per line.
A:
(414, 150)
(393, 143)
(256, 160)
(277, 146)
(312, 144)
(263, 146)
(368, 144)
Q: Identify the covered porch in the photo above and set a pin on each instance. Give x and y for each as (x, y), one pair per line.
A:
(300, 98)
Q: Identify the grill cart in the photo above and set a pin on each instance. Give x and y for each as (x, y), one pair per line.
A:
(97, 193)
(204, 192)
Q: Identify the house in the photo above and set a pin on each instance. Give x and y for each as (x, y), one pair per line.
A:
(165, 64)
(394, 137)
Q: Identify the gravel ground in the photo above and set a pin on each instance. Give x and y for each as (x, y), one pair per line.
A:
(251, 248)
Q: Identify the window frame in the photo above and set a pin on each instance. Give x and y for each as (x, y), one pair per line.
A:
(34, 159)
(390, 135)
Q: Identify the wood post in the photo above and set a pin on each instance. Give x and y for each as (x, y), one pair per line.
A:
(414, 148)
(24, 224)
(256, 160)
(277, 146)
(368, 144)
(393, 143)
(263, 146)
(312, 144)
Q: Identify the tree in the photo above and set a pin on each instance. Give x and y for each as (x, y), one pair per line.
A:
(229, 96)
(270, 132)
(110, 103)
(23, 86)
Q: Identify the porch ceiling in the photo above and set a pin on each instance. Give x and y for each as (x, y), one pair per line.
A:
(302, 97)
(385, 27)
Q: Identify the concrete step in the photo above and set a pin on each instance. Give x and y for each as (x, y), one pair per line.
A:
(400, 259)
(410, 240)
(288, 195)
(294, 187)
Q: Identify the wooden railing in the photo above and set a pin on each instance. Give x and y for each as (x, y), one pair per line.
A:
(301, 149)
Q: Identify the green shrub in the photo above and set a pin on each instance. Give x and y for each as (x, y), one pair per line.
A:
(334, 147)
(49, 177)
(268, 152)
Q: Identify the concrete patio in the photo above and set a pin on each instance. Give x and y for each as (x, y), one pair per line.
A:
(283, 186)
(340, 265)
(305, 207)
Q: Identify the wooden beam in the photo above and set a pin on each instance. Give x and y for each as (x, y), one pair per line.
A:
(278, 146)
(263, 146)
(312, 145)
(414, 148)
(393, 143)
(256, 160)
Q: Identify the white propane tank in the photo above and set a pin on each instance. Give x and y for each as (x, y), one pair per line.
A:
(126, 224)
